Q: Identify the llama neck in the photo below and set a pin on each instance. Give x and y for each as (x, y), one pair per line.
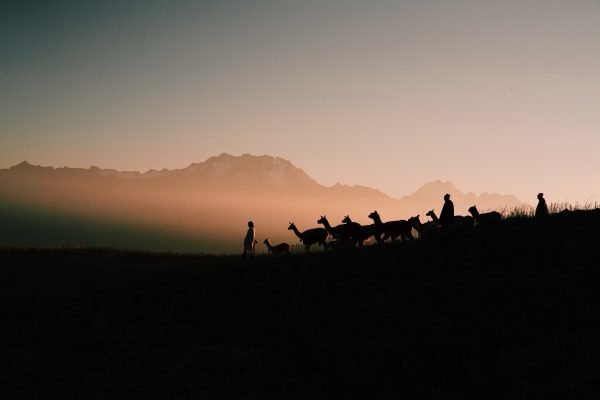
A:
(416, 223)
(296, 231)
(269, 245)
(327, 226)
(377, 220)
(434, 217)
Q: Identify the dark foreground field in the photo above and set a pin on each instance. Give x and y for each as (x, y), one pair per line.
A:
(512, 311)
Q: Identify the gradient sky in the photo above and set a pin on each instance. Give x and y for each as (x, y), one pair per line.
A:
(492, 95)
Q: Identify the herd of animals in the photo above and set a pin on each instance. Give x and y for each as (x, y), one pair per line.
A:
(353, 234)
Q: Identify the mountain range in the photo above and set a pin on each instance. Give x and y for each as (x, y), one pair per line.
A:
(203, 207)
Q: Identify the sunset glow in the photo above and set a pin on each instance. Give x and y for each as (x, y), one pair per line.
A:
(493, 96)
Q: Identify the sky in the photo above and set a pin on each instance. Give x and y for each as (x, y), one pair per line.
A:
(499, 96)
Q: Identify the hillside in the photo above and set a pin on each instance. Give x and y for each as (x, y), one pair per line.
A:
(203, 207)
(489, 313)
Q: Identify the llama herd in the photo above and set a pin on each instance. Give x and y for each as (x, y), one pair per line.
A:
(350, 233)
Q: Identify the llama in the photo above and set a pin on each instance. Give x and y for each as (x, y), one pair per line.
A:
(393, 229)
(434, 218)
(459, 220)
(366, 231)
(488, 218)
(281, 248)
(341, 232)
(311, 236)
(428, 228)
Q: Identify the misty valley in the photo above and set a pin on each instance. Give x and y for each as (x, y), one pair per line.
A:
(201, 209)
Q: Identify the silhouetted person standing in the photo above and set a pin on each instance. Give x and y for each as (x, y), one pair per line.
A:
(447, 215)
(249, 241)
(541, 210)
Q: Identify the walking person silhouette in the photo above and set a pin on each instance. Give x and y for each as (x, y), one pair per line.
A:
(447, 214)
(249, 241)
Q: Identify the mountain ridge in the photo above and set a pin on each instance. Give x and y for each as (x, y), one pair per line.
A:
(227, 166)
(208, 203)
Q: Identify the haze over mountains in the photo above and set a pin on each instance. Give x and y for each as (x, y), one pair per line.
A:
(203, 207)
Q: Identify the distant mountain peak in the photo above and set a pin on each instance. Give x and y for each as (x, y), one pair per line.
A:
(220, 157)
(440, 183)
(22, 164)
(27, 166)
(435, 188)
(249, 171)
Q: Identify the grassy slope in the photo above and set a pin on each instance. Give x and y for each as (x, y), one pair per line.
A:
(487, 314)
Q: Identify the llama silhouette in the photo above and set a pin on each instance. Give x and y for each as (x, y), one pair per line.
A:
(366, 231)
(434, 218)
(458, 220)
(281, 248)
(393, 229)
(311, 236)
(489, 218)
(428, 228)
(341, 232)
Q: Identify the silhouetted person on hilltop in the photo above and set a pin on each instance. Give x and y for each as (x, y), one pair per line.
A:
(249, 241)
(541, 210)
(447, 215)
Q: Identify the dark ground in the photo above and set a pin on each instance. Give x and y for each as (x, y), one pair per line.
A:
(510, 312)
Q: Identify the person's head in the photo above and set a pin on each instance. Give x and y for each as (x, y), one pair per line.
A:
(540, 196)
(250, 224)
(446, 197)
